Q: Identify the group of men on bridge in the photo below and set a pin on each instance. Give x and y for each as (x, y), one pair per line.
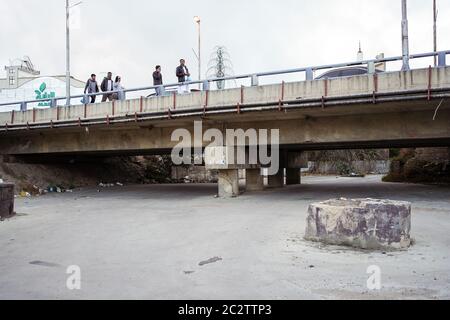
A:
(108, 85)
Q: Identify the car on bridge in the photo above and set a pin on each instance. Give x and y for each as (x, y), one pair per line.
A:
(345, 72)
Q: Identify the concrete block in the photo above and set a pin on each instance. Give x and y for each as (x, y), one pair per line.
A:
(228, 183)
(6, 200)
(254, 180)
(360, 223)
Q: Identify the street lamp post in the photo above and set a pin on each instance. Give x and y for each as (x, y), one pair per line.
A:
(405, 36)
(435, 30)
(68, 7)
(199, 53)
(67, 54)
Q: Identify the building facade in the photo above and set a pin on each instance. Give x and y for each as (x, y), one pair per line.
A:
(23, 82)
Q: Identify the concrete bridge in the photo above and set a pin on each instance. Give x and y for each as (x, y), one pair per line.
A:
(392, 109)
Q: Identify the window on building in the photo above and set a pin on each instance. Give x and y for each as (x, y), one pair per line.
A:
(12, 81)
(11, 71)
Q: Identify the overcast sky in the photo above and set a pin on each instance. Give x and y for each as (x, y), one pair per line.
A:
(129, 37)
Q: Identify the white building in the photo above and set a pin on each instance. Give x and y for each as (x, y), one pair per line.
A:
(23, 82)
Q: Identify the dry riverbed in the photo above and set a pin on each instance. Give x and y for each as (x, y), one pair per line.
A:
(179, 242)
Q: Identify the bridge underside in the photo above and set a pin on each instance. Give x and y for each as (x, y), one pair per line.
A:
(386, 125)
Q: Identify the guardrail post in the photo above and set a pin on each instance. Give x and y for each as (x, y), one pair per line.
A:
(442, 59)
(255, 80)
(205, 85)
(309, 74)
(371, 67)
(23, 106)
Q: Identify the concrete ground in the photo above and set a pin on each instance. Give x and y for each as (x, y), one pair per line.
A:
(146, 242)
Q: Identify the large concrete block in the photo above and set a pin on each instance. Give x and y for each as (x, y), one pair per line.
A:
(6, 200)
(361, 223)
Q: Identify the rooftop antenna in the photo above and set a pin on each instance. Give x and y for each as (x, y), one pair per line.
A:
(360, 56)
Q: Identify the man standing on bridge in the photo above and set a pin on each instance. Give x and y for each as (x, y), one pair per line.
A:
(107, 86)
(182, 71)
(158, 81)
(183, 76)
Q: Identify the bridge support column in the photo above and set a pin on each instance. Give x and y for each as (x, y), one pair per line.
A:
(295, 162)
(293, 176)
(224, 159)
(254, 180)
(276, 181)
(229, 183)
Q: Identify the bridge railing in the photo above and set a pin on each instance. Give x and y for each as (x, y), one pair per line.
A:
(254, 77)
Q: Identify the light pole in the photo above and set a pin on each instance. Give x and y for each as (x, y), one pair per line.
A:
(197, 20)
(435, 14)
(68, 7)
(405, 36)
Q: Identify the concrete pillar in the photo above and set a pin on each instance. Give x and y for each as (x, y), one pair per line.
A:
(228, 183)
(277, 181)
(254, 180)
(293, 177)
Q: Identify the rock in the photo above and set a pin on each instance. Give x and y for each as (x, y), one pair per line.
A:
(360, 223)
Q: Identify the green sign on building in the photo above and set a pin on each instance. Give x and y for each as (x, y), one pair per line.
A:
(42, 94)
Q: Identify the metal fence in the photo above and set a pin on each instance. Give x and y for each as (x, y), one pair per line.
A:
(254, 77)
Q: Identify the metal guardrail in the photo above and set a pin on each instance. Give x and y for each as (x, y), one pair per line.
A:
(309, 75)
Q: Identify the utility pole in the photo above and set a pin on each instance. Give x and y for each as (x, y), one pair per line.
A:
(197, 20)
(67, 54)
(68, 7)
(435, 15)
(405, 36)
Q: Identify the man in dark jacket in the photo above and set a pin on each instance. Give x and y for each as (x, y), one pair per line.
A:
(91, 87)
(107, 86)
(158, 81)
(182, 71)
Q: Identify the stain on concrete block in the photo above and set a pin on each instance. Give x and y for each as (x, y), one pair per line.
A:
(360, 223)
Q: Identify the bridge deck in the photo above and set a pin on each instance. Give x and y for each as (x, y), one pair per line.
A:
(426, 81)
